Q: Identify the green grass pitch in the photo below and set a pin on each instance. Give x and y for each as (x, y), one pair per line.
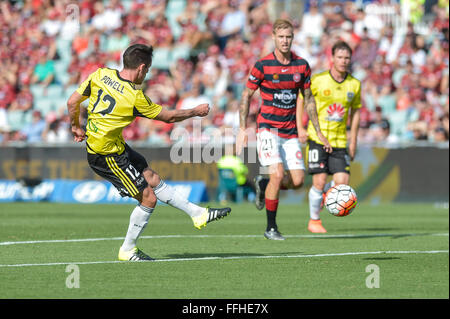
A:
(385, 251)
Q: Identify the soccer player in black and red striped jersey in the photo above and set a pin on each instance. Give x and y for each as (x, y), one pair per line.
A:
(279, 75)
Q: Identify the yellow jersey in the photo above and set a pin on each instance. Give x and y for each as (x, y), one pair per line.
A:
(334, 101)
(113, 104)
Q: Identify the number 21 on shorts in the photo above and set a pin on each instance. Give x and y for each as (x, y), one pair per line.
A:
(267, 146)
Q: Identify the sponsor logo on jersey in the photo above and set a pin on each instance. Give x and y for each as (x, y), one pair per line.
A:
(335, 112)
(350, 96)
(275, 78)
(252, 78)
(285, 96)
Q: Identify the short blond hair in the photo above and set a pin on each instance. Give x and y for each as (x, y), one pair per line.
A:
(281, 24)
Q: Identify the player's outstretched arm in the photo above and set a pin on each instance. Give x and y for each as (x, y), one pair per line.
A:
(311, 109)
(73, 107)
(172, 116)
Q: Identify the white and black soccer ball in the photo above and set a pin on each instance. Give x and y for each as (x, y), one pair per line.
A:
(341, 200)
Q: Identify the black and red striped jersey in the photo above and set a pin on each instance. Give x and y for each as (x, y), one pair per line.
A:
(279, 85)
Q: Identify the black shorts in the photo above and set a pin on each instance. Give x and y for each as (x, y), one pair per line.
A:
(124, 171)
(319, 161)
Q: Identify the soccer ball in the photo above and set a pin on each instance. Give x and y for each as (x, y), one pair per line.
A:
(340, 200)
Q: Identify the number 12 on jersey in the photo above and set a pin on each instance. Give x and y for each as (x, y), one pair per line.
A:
(107, 99)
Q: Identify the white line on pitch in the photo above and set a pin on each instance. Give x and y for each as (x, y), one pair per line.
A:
(7, 243)
(236, 258)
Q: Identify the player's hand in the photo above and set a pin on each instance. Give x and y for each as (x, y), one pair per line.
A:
(302, 135)
(202, 109)
(78, 134)
(241, 140)
(326, 145)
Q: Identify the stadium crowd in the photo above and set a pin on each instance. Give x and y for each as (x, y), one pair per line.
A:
(204, 50)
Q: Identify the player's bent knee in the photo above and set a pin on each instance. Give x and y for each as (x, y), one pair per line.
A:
(148, 197)
(297, 183)
(151, 177)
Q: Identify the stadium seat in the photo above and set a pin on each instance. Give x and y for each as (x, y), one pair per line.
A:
(64, 49)
(398, 121)
(126, 5)
(27, 117)
(16, 120)
(54, 91)
(37, 91)
(180, 52)
(44, 105)
(228, 186)
(161, 58)
(69, 90)
(388, 103)
(61, 74)
(60, 104)
(173, 10)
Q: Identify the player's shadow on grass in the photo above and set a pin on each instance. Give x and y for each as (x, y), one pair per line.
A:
(381, 258)
(378, 229)
(369, 236)
(226, 255)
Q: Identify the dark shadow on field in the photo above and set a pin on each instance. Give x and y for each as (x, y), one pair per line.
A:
(227, 255)
(378, 229)
(381, 258)
(368, 236)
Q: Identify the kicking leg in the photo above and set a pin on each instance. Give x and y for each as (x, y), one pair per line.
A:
(167, 194)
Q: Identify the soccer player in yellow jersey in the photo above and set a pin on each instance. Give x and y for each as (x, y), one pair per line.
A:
(114, 102)
(338, 97)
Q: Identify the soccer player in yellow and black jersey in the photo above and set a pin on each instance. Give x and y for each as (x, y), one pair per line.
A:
(338, 96)
(114, 102)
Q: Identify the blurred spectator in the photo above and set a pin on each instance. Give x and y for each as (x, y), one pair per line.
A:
(56, 131)
(116, 43)
(313, 23)
(52, 23)
(419, 54)
(390, 44)
(44, 72)
(7, 94)
(368, 24)
(233, 22)
(365, 52)
(231, 117)
(32, 133)
(215, 81)
(417, 131)
(439, 135)
(109, 18)
(306, 47)
(379, 129)
(4, 125)
(192, 22)
(194, 97)
(23, 100)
